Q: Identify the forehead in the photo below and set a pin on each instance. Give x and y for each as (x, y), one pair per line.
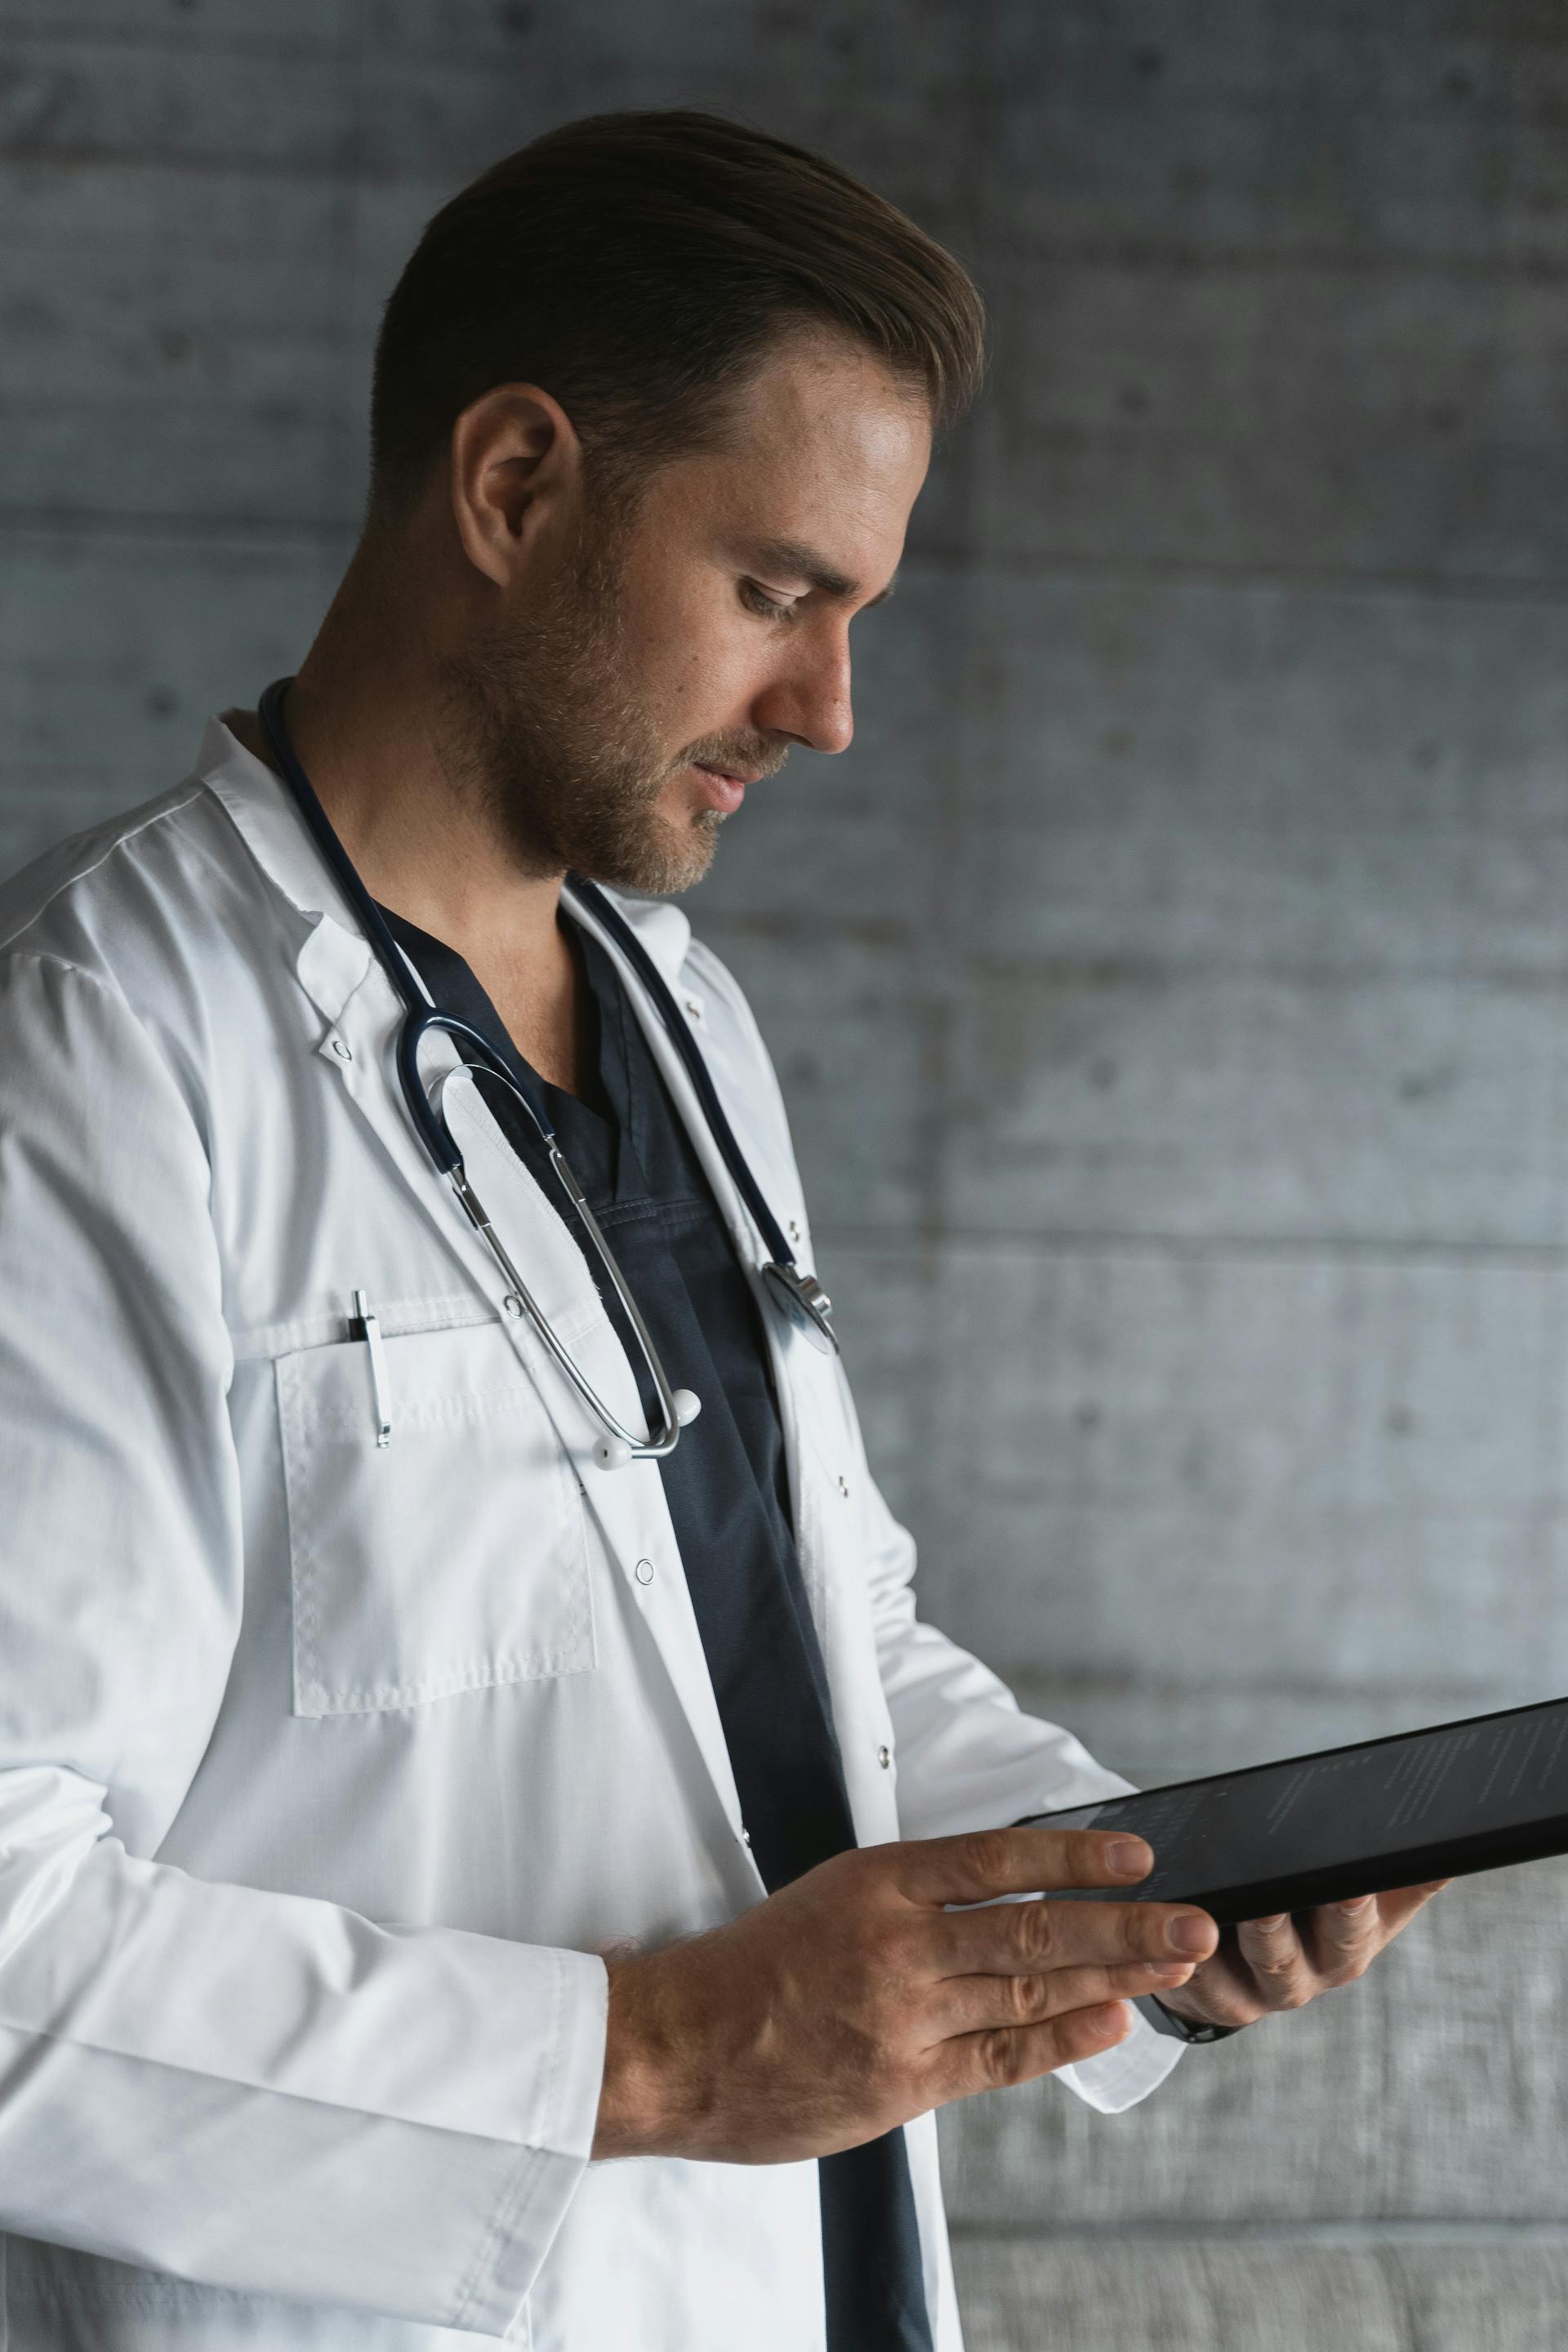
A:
(819, 393)
(821, 440)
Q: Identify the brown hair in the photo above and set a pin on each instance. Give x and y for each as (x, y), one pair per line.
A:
(636, 266)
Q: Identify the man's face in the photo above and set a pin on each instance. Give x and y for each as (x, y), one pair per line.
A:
(673, 656)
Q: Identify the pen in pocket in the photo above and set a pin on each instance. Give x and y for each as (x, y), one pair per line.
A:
(363, 1325)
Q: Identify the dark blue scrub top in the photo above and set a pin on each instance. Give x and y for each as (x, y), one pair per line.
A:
(727, 1487)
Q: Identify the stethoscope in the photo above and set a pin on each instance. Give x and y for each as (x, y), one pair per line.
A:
(797, 1295)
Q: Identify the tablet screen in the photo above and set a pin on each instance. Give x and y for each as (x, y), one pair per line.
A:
(1462, 1796)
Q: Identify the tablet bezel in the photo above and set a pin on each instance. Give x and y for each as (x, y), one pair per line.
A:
(1303, 1890)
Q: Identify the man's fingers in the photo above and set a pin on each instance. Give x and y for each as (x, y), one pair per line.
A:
(990, 1863)
(966, 2005)
(1225, 1993)
(1030, 1938)
(1345, 1937)
(1276, 1959)
(996, 2059)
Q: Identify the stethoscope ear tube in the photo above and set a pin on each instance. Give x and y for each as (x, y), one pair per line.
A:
(367, 914)
(804, 1302)
(617, 1446)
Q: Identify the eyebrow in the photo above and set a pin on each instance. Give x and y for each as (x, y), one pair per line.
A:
(802, 563)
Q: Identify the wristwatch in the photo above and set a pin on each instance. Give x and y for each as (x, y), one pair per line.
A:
(1181, 2029)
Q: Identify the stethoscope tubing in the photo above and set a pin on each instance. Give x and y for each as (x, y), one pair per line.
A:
(589, 895)
(799, 1295)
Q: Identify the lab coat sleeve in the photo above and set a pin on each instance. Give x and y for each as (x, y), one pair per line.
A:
(243, 2087)
(969, 1758)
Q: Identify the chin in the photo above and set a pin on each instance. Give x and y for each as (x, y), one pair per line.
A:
(668, 859)
(689, 855)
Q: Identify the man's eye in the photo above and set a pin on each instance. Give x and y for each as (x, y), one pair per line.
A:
(758, 601)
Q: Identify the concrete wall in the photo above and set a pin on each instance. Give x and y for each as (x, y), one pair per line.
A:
(1169, 984)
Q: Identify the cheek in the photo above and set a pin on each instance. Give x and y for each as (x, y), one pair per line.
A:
(696, 667)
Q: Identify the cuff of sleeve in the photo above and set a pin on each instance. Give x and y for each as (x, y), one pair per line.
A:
(544, 2180)
(1120, 2077)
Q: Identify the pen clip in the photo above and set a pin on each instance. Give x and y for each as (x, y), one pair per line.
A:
(363, 1325)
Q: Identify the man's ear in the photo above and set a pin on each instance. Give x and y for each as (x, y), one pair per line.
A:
(516, 464)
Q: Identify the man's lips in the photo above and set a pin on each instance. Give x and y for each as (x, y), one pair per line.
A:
(723, 788)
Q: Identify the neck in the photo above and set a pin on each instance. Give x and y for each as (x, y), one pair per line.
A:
(369, 723)
(365, 716)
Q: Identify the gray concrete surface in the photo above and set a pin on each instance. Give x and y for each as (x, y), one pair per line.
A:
(1427, 2098)
(1170, 984)
(1256, 2297)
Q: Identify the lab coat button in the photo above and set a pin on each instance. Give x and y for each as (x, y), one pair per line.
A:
(694, 1007)
(843, 1485)
(342, 1049)
(745, 1837)
(885, 1758)
(512, 1303)
(644, 1571)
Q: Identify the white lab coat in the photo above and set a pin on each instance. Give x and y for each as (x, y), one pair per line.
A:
(324, 1771)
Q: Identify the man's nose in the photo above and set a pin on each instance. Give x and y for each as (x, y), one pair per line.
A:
(810, 701)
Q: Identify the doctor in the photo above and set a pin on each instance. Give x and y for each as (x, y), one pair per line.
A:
(452, 1885)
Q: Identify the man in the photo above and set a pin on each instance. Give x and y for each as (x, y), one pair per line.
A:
(451, 1889)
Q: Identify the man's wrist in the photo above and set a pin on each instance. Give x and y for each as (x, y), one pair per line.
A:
(625, 2101)
(635, 2115)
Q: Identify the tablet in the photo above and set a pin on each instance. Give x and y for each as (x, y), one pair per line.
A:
(1349, 1821)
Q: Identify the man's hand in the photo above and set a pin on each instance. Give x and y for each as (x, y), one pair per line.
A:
(1274, 1964)
(853, 2000)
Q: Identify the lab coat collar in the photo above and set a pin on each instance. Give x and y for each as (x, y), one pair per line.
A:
(336, 956)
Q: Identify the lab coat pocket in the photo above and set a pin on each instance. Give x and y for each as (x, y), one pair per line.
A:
(452, 1559)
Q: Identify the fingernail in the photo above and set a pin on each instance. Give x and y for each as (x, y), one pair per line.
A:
(1128, 1858)
(1111, 2020)
(1169, 1972)
(1360, 1903)
(1189, 1935)
(1270, 1927)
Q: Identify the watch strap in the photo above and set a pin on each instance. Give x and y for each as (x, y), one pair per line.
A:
(1180, 2029)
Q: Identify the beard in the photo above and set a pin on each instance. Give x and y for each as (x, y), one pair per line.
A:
(559, 742)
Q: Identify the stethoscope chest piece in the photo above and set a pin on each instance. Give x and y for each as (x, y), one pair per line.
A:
(806, 1304)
